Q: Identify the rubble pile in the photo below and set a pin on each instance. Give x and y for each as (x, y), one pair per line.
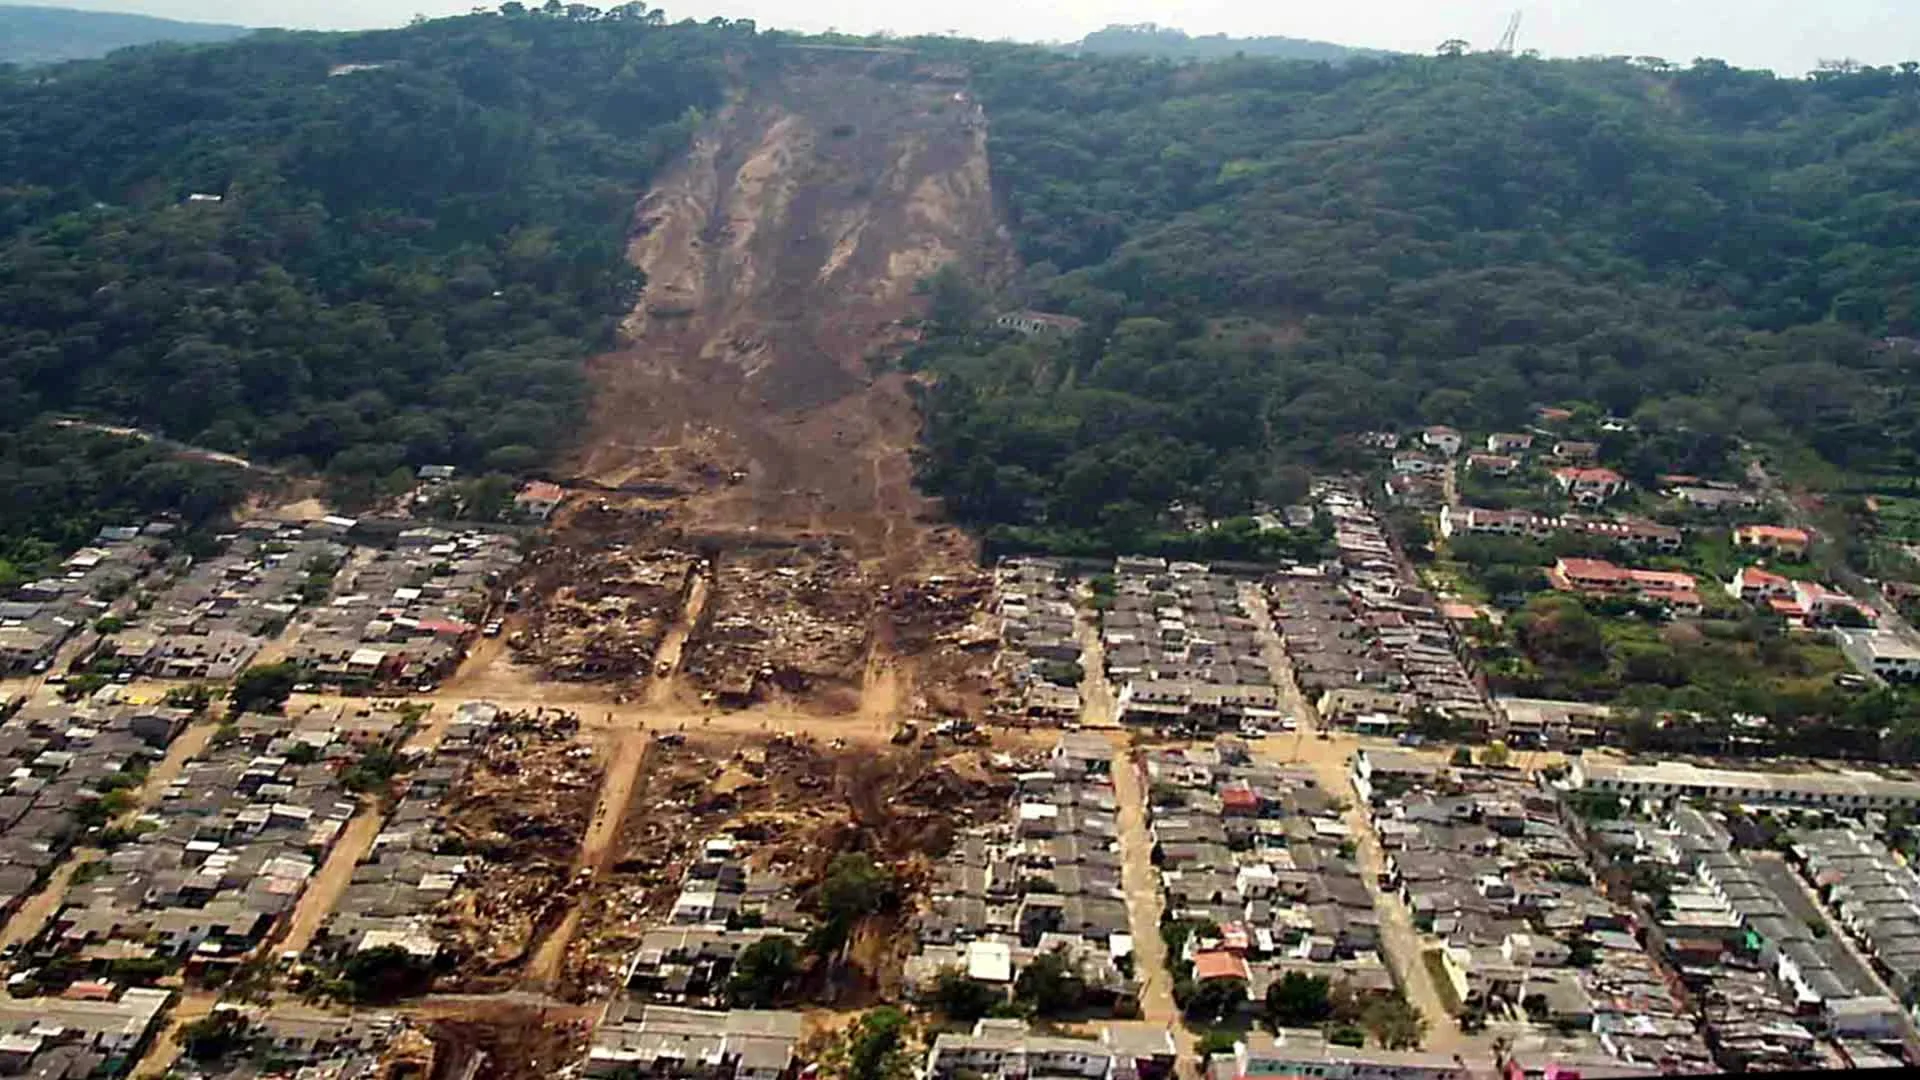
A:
(511, 1042)
(946, 622)
(519, 814)
(609, 611)
(795, 617)
(943, 609)
(797, 801)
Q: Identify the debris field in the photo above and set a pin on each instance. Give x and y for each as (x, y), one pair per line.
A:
(520, 815)
(797, 618)
(603, 602)
(798, 803)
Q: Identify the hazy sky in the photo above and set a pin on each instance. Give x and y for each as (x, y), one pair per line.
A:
(1789, 36)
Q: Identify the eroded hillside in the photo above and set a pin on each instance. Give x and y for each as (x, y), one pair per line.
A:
(746, 409)
(781, 257)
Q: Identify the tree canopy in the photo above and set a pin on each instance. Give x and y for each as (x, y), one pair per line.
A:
(357, 253)
(1272, 257)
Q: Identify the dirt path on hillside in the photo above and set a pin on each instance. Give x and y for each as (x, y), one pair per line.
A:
(782, 256)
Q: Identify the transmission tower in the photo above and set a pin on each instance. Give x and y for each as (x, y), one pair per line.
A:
(1505, 48)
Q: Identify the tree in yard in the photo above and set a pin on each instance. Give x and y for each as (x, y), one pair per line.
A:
(264, 687)
(1051, 984)
(873, 1048)
(853, 889)
(1581, 951)
(1297, 999)
(1215, 1000)
(961, 998)
(215, 1035)
(386, 974)
(193, 697)
(1462, 757)
(1395, 1023)
(762, 972)
(1496, 755)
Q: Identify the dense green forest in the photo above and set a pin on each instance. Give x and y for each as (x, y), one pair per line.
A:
(1270, 256)
(359, 253)
(47, 35)
(1147, 39)
(354, 253)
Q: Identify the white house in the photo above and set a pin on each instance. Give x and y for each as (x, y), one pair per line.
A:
(1442, 438)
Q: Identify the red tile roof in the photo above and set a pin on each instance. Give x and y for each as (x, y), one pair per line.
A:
(1218, 964)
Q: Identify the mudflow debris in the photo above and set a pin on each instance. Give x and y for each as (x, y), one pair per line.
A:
(520, 815)
(603, 604)
(793, 803)
(793, 617)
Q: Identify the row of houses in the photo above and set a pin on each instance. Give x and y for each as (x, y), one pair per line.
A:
(403, 877)
(1040, 650)
(291, 1041)
(1006, 1049)
(1875, 894)
(1670, 590)
(1767, 982)
(1627, 532)
(1496, 881)
(1363, 624)
(1803, 604)
(1774, 994)
(59, 763)
(1047, 879)
(407, 614)
(1183, 647)
(207, 619)
(656, 1042)
(725, 906)
(227, 850)
(37, 617)
(1258, 857)
(100, 1032)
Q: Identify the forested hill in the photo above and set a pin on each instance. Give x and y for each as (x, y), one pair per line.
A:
(360, 253)
(1167, 43)
(1269, 256)
(46, 35)
(351, 253)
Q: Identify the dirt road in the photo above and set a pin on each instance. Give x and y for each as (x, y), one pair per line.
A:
(629, 754)
(1141, 883)
(32, 914)
(1305, 717)
(331, 880)
(1097, 705)
(166, 1047)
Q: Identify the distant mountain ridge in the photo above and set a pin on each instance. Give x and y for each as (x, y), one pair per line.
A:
(1148, 39)
(47, 35)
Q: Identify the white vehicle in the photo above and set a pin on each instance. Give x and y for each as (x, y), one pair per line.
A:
(492, 629)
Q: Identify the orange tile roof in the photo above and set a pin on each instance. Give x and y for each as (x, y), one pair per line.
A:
(1218, 964)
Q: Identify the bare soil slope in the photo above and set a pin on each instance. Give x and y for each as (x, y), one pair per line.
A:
(781, 256)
